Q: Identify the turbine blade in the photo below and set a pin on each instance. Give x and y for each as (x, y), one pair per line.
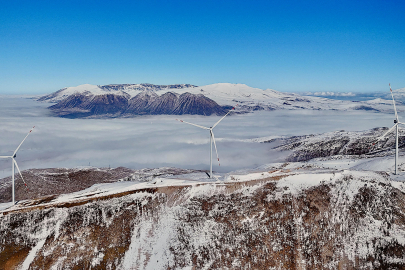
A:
(224, 116)
(192, 124)
(385, 134)
(18, 169)
(15, 152)
(216, 151)
(393, 101)
(5, 156)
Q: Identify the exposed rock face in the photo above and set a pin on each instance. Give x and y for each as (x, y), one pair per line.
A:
(351, 220)
(144, 103)
(338, 143)
(139, 104)
(165, 104)
(78, 106)
(197, 104)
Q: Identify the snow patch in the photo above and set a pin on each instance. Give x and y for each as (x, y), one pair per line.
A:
(31, 255)
(294, 184)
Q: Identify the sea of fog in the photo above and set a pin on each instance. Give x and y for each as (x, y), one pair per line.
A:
(156, 141)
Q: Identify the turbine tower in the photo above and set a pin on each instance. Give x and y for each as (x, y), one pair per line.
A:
(14, 164)
(212, 137)
(396, 126)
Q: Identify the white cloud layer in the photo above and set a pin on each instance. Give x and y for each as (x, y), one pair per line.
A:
(154, 141)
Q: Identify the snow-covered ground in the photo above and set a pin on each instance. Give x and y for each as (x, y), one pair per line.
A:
(367, 164)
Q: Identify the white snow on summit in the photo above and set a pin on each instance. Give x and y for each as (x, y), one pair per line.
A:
(128, 90)
(84, 89)
(222, 92)
(93, 89)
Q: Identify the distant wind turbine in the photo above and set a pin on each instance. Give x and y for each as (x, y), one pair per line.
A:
(212, 138)
(396, 124)
(14, 163)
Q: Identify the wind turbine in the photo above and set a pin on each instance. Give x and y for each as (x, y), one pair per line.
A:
(14, 163)
(212, 138)
(396, 125)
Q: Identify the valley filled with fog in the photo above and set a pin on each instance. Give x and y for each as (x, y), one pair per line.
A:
(156, 141)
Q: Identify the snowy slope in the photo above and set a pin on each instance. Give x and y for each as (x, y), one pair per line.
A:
(84, 89)
(240, 93)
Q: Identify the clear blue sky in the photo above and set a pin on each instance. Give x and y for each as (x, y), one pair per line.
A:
(285, 45)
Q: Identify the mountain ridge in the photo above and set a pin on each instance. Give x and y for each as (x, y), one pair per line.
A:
(129, 90)
(146, 99)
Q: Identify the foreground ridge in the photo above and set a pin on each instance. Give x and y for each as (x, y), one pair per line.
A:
(285, 217)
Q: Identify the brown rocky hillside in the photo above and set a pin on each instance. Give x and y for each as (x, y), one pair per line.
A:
(300, 219)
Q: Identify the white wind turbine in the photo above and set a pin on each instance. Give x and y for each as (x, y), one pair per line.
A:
(212, 138)
(14, 163)
(396, 123)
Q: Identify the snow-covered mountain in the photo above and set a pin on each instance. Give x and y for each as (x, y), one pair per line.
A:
(113, 100)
